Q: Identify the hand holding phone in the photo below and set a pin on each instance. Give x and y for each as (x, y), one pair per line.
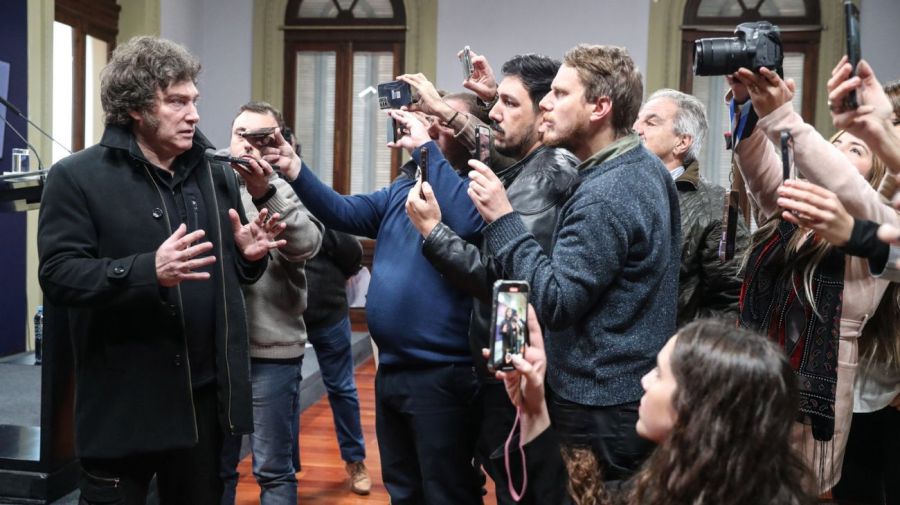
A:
(465, 58)
(509, 325)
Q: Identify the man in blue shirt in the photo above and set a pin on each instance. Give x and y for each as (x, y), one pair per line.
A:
(425, 383)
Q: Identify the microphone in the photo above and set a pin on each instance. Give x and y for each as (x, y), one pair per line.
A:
(223, 155)
(15, 109)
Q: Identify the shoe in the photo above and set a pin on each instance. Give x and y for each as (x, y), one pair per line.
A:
(360, 483)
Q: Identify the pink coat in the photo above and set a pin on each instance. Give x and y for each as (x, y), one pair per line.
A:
(821, 163)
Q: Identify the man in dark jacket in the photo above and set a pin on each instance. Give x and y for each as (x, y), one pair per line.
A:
(156, 312)
(539, 182)
(672, 125)
(601, 292)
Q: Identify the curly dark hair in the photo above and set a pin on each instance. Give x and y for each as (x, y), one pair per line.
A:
(736, 401)
(136, 70)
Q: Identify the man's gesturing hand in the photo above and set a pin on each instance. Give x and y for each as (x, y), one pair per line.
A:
(176, 258)
(257, 237)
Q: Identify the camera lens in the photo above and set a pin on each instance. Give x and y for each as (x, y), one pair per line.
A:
(721, 56)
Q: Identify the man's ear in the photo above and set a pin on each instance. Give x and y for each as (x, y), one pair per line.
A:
(136, 116)
(684, 144)
(602, 107)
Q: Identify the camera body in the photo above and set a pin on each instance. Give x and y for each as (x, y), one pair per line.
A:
(394, 94)
(755, 45)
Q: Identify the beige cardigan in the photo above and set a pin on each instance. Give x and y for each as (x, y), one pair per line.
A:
(821, 163)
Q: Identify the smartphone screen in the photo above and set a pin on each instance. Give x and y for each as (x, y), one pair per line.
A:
(854, 52)
(509, 323)
(483, 144)
(466, 60)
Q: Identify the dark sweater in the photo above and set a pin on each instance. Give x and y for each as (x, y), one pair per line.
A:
(326, 279)
(608, 292)
(413, 315)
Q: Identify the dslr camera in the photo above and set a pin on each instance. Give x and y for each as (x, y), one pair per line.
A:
(754, 45)
(394, 94)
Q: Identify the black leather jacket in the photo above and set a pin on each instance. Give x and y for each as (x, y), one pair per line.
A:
(708, 287)
(537, 187)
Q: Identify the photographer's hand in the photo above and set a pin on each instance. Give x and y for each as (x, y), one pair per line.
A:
(815, 208)
(430, 102)
(767, 89)
(487, 192)
(281, 155)
(871, 120)
(738, 91)
(482, 82)
(417, 135)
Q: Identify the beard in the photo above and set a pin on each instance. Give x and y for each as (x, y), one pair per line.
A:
(517, 150)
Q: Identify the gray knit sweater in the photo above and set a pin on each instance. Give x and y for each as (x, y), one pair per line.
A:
(275, 303)
(608, 292)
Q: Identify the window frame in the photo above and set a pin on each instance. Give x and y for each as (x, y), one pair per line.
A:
(95, 18)
(345, 36)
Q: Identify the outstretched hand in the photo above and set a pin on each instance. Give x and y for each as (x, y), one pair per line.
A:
(482, 82)
(814, 207)
(872, 118)
(416, 131)
(176, 258)
(256, 238)
(767, 89)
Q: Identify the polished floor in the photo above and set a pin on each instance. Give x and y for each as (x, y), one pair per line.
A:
(323, 479)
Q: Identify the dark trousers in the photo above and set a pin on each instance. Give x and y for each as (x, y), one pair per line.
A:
(184, 476)
(871, 471)
(609, 431)
(498, 416)
(426, 420)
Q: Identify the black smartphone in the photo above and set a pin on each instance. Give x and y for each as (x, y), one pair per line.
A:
(854, 52)
(394, 132)
(483, 137)
(509, 323)
(422, 172)
(394, 94)
(787, 156)
(465, 59)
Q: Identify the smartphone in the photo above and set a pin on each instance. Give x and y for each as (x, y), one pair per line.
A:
(258, 133)
(395, 94)
(422, 172)
(854, 53)
(787, 156)
(465, 58)
(393, 130)
(483, 137)
(509, 323)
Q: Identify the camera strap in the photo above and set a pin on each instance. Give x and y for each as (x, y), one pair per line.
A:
(517, 496)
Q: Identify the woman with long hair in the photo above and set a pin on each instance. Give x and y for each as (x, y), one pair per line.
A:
(719, 404)
(799, 290)
(872, 459)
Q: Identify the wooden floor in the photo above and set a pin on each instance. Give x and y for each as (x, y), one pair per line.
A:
(323, 479)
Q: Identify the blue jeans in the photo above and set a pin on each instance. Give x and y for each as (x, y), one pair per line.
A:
(332, 346)
(275, 390)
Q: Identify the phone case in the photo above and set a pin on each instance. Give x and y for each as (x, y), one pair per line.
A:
(509, 323)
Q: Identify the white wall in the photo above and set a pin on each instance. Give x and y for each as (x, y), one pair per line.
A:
(880, 26)
(219, 33)
(500, 29)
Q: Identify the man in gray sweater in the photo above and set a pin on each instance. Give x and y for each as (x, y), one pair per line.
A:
(275, 306)
(606, 292)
